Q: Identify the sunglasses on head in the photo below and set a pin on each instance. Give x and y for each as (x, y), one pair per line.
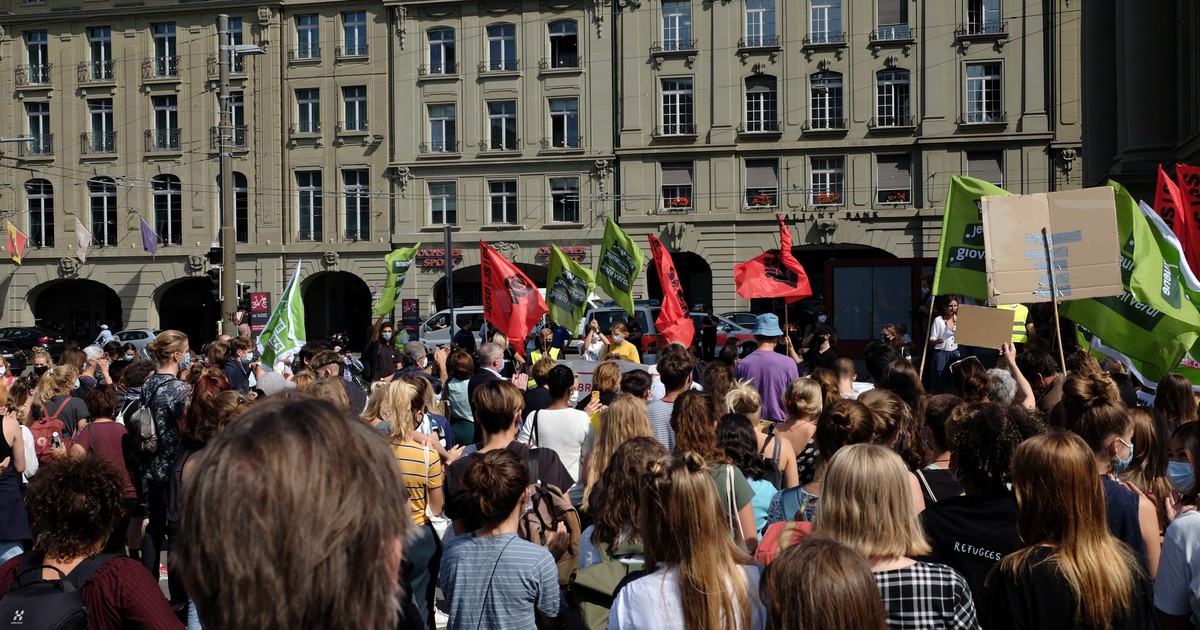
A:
(957, 365)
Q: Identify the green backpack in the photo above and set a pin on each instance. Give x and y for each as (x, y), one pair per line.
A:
(594, 588)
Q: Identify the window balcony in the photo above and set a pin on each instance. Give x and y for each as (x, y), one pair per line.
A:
(825, 39)
(350, 51)
(819, 125)
(562, 61)
(562, 143)
(511, 146)
(755, 127)
(305, 52)
(33, 75)
(159, 140)
(236, 141)
(351, 128)
(758, 41)
(160, 68)
(305, 128)
(214, 65)
(431, 149)
(892, 33)
(437, 70)
(40, 146)
(675, 130)
(675, 46)
(883, 123)
(96, 71)
(983, 119)
(893, 197)
(98, 142)
(498, 66)
(982, 28)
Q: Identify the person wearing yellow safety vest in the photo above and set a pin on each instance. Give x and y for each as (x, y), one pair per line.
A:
(544, 348)
(1022, 327)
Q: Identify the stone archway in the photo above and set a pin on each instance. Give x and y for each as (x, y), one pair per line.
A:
(695, 276)
(190, 307)
(77, 308)
(468, 285)
(337, 301)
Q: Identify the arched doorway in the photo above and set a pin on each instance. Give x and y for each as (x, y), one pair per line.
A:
(190, 307)
(77, 308)
(337, 301)
(468, 285)
(695, 276)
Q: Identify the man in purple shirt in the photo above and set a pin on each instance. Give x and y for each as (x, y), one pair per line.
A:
(769, 371)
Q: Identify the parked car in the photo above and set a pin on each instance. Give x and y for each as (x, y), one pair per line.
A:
(746, 319)
(16, 358)
(139, 337)
(436, 331)
(30, 337)
(727, 328)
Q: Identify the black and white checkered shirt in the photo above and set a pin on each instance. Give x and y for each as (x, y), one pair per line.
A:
(926, 596)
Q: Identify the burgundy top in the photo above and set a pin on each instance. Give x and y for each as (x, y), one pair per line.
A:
(120, 595)
(108, 439)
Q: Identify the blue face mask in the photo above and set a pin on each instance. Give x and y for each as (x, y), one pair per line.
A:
(247, 359)
(386, 336)
(1181, 476)
(1121, 464)
(130, 357)
(187, 358)
(76, 384)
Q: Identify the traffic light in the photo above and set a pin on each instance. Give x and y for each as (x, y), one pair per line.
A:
(214, 279)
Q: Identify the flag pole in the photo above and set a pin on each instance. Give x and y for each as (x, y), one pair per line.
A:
(925, 341)
(1054, 299)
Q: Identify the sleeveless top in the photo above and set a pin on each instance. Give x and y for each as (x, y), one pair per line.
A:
(806, 462)
(1121, 504)
(14, 523)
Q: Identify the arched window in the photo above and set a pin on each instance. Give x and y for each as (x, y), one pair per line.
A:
(502, 47)
(442, 58)
(762, 104)
(39, 195)
(102, 199)
(168, 209)
(564, 44)
(826, 96)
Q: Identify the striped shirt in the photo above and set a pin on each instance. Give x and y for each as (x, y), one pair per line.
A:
(498, 582)
(421, 469)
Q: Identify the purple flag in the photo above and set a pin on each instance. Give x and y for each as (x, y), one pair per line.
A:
(149, 238)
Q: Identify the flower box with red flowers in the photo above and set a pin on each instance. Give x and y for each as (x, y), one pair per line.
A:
(677, 202)
(828, 199)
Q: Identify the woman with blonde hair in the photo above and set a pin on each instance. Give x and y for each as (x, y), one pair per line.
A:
(821, 584)
(624, 420)
(54, 399)
(704, 580)
(1148, 470)
(803, 401)
(744, 400)
(41, 362)
(381, 408)
(867, 505)
(1072, 573)
(606, 384)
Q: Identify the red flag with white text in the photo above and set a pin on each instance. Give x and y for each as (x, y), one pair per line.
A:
(774, 273)
(1187, 197)
(511, 302)
(674, 324)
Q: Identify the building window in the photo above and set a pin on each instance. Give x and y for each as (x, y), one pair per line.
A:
(100, 50)
(357, 197)
(760, 23)
(38, 115)
(504, 201)
(308, 111)
(102, 197)
(39, 195)
(443, 128)
(237, 106)
(986, 165)
(564, 199)
(308, 37)
(166, 123)
(564, 123)
(308, 184)
(236, 38)
(241, 207)
(894, 183)
(441, 51)
(892, 20)
(893, 106)
(983, 16)
(677, 113)
(502, 126)
(502, 47)
(37, 55)
(827, 101)
(168, 211)
(354, 100)
(762, 183)
(828, 181)
(677, 25)
(564, 44)
(676, 186)
(443, 203)
(102, 139)
(762, 104)
(826, 22)
(983, 93)
(166, 60)
(354, 33)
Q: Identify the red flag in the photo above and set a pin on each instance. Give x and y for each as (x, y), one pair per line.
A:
(773, 273)
(16, 242)
(511, 302)
(674, 323)
(1187, 198)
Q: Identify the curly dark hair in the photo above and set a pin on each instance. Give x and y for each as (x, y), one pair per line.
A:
(692, 420)
(74, 505)
(209, 381)
(735, 436)
(615, 500)
(984, 437)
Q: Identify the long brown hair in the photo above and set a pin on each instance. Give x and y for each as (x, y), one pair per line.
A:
(616, 499)
(683, 526)
(695, 426)
(624, 420)
(1148, 470)
(1060, 503)
(821, 584)
(1174, 400)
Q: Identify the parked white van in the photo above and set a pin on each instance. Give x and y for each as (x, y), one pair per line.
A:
(437, 331)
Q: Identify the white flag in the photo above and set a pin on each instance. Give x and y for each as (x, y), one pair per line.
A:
(83, 240)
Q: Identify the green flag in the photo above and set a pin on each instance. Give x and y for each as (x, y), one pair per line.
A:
(960, 265)
(398, 263)
(284, 332)
(620, 263)
(567, 288)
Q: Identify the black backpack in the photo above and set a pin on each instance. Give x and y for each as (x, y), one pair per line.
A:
(771, 469)
(36, 604)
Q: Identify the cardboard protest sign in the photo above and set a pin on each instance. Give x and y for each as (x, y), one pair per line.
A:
(1064, 240)
(984, 327)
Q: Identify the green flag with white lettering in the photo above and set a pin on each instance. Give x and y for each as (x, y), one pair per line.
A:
(398, 263)
(620, 263)
(960, 265)
(568, 286)
(284, 332)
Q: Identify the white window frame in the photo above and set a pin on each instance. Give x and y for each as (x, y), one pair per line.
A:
(168, 198)
(502, 47)
(166, 121)
(751, 193)
(443, 51)
(983, 17)
(310, 202)
(828, 177)
(825, 22)
(761, 28)
(103, 138)
(561, 122)
(567, 31)
(100, 51)
(678, 114)
(673, 192)
(354, 108)
(37, 118)
(237, 38)
(502, 196)
(439, 140)
(308, 110)
(762, 108)
(166, 63)
(564, 199)
(308, 36)
(37, 55)
(443, 203)
(893, 98)
(502, 126)
(102, 209)
(903, 195)
(39, 206)
(827, 101)
(356, 204)
(984, 97)
(354, 33)
(676, 25)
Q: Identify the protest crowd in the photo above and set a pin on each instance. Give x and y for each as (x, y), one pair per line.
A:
(925, 484)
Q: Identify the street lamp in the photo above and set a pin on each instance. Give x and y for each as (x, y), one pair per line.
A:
(225, 131)
(21, 139)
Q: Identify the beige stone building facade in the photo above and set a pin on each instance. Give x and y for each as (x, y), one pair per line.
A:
(370, 125)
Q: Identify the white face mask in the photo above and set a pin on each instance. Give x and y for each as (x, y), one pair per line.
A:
(3, 370)
(617, 338)
(574, 399)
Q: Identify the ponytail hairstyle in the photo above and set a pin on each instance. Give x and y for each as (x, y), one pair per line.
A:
(803, 399)
(829, 386)
(971, 380)
(821, 583)
(1091, 408)
(844, 422)
(495, 484)
(1060, 503)
(56, 381)
(898, 426)
(165, 345)
(693, 421)
(743, 399)
(684, 527)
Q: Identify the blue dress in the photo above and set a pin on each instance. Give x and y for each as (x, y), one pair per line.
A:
(14, 522)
